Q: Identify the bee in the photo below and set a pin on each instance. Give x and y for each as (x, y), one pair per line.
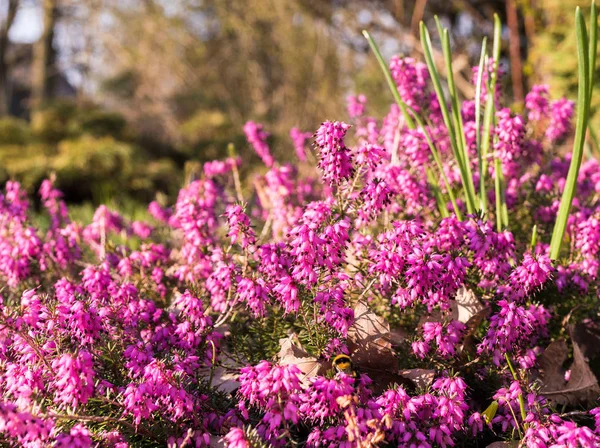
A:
(343, 363)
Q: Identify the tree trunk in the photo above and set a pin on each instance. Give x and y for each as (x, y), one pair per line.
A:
(4, 64)
(44, 58)
(516, 68)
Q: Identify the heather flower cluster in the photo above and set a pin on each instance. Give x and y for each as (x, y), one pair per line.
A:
(220, 318)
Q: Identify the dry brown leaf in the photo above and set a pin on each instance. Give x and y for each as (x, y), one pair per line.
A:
(551, 365)
(225, 380)
(369, 340)
(217, 442)
(423, 378)
(513, 444)
(291, 352)
(587, 335)
(582, 385)
(465, 305)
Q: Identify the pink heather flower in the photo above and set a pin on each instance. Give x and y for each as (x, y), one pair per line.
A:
(24, 428)
(421, 349)
(254, 294)
(375, 197)
(74, 383)
(319, 401)
(476, 422)
(220, 167)
(411, 78)
(596, 414)
(370, 156)
(414, 147)
(390, 130)
(510, 146)
(528, 277)
(257, 137)
(334, 310)
(78, 437)
(335, 159)
(299, 140)
(273, 389)
(141, 229)
(512, 328)
(159, 213)
(561, 112)
(52, 200)
(236, 438)
(445, 337)
(240, 229)
(355, 105)
(536, 102)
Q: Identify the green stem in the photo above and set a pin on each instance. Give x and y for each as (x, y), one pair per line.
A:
(388, 77)
(521, 400)
(461, 139)
(437, 85)
(438, 161)
(533, 237)
(490, 107)
(482, 59)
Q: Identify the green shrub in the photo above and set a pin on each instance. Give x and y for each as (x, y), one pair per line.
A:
(54, 122)
(29, 164)
(14, 131)
(100, 123)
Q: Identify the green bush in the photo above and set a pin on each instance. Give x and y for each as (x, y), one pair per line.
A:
(54, 122)
(29, 164)
(100, 123)
(14, 131)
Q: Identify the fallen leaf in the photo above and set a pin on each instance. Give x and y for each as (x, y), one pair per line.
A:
(217, 442)
(466, 305)
(587, 335)
(422, 378)
(291, 352)
(224, 380)
(551, 366)
(513, 444)
(582, 385)
(369, 340)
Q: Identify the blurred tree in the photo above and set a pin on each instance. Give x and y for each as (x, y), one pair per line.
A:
(553, 52)
(44, 57)
(169, 64)
(9, 17)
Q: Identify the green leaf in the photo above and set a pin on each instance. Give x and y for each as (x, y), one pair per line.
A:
(438, 160)
(490, 107)
(583, 109)
(482, 64)
(593, 47)
(452, 131)
(461, 140)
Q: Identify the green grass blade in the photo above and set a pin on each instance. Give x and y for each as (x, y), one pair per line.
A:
(490, 108)
(437, 193)
(437, 85)
(583, 106)
(482, 62)
(533, 238)
(593, 48)
(461, 140)
(501, 209)
(438, 160)
(390, 80)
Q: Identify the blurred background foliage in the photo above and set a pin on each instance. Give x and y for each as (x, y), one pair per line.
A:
(118, 96)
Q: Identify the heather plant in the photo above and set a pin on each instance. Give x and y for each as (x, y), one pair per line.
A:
(430, 281)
